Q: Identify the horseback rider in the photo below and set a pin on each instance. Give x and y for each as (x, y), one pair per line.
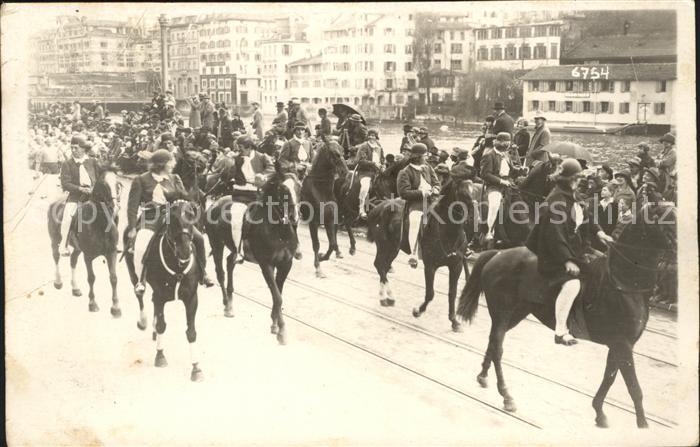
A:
(78, 176)
(415, 184)
(496, 171)
(295, 152)
(252, 170)
(559, 241)
(369, 161)
(153, 191)
(353, 133)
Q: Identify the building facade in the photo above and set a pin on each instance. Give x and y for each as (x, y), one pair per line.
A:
(601, 96)
(518, 47)
(183, 56)
(276, 54)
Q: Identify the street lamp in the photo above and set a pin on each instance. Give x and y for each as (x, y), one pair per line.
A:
(163, 21)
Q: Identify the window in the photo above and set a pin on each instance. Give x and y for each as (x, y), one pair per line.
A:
(220, 83)
(437, 63)
(525, 52)
(456, 64)
(369, 83)
(552, 105)
(496, 33)
(482, 54)
(587, 106)
(525, 31)
(103, 44)
(496, 54)
(535, 105)
(554, 51)
(408, 66)
(212, 84)
(607, 86)
(228, 84)
(661, 87)
(482, 34)
(511, 33)
(624, 107)
(437, 48)
(389, 84)
(625, 87)
(604, 107)
(409, 49)
(540, 51)
(243, 82)
(436, 98)
(228, 96)
(659, 108)
(540, 31)
(534, 86)
(568, 106)
(456, 48)
(551, 86)
(411, 84)
(509, 52)
(553, 30)
(461, 35)
(390, 48)
(389, 66)
(569, 86)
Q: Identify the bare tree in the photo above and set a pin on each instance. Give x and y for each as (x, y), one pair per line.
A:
(424, 38)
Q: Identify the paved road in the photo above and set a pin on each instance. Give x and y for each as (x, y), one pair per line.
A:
(352, 373)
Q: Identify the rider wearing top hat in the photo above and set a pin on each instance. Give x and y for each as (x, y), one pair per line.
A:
(559, 241)
(369, 161)
(495, 170)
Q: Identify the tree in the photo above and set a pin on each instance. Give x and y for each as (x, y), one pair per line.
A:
(480, 89)
(424, 37)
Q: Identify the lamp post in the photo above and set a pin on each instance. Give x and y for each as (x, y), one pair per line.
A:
(163, 21)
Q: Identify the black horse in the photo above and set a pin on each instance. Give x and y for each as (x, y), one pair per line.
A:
(270, 240)
(320, 203)
(443, 242)
(613, 311)
(93, 233)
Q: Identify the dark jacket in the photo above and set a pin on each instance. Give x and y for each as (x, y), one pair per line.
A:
(408, 182)
(540, 138)
(522, 140)
(503, 123)
(363, 158)
(325, 126)
(70, 178)
(554, 239)
(141, 193)
(432, 149)
(260, 163)
(289, 155)
(490, 167)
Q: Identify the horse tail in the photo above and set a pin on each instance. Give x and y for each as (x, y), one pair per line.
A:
(469, 299)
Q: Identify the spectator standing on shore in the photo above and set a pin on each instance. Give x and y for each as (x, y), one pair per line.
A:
(279, 123)
(540, 138)
(522, 139)
(207, 112)
(502, 122)
(76, 112)
(195, 118)
(325, 122)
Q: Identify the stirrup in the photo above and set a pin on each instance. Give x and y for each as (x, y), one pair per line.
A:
(566, 340)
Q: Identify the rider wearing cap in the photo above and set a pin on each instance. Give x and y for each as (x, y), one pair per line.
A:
(78, 176)
(559, 241)
(415, 184)
(495, 170)
(369, 161)
(152, 191)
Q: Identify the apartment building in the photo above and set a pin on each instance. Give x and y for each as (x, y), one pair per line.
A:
(183, 56)
(230, 57)
(518, 47)
(601, 95)
(276, 55)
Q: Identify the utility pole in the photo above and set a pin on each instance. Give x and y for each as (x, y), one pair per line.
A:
(163, 21)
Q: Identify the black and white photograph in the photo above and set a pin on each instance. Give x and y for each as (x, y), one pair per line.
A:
(350, 224)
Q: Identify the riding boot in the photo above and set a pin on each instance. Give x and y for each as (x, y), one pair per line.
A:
(200, 252)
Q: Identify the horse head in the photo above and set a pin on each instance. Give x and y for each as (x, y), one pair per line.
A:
(107, 188)
(181, 217)
(278, 200)
(334, 152)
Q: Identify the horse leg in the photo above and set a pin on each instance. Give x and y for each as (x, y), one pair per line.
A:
(112, 266)
(629, 374)
(191, 312)
(351, 235)
(73, 264)
(57, 282)
(498, 333)
(429, 272)
(455, 271)
(230, 264)
(280, 278)
(218, 252)
(159, 326)
(92, 306)
(269, 275)
(331, 230)
(518, 315)
(611, 368)
(313, 231)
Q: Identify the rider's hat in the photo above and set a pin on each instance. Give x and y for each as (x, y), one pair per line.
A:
(245, 141)
(668, 137)
(419, 149)
(570, 168)
(503, 136)
(355, 117)
(299, 125)
(161, 156)
(373, 132)
(461, 171)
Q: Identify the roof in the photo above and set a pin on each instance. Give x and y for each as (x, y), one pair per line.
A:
(617, 72)
(306, 61)
(615, 46)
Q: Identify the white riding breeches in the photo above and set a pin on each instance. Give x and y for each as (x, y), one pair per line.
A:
(365, 183)
(143, 238)
(568, 293)
(291, 184)
(494, 200)
(68, 213)
(238, 211)
(414, 222)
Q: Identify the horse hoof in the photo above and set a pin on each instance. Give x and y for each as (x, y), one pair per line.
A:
(483, 381)
(141, 324)
(339, 255)
(93, 307)
(416, 312)
(273, 329)
(228, 313)
(197, 374)
(457, 327)
(281, 339)
(642, 424)
(509, 406)
(154, 335)
(76, 292)
(391, 270)
(58, 285)
(160, 362)
(352, 251)
(320, 274)
(116, 312)
(601, 422)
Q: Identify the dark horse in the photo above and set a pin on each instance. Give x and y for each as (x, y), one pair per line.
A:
(615, 306)
(93, 233)
(173, 273)
(320, 204)
(191, 167)
(442, 243)
(270, 240)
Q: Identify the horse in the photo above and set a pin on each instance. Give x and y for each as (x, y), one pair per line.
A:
(93, 233)
(614, 303)
(442, 243)
(271, 238)
(173, 274)
(191, 167)
(320, 204)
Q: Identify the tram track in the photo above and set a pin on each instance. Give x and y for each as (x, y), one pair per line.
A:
(464, 346)
(529, 319)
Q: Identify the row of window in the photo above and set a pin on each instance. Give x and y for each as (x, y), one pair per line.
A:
(511, 52)
(515, 32)
(588, 107)
(368, 83)
(586, 86)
